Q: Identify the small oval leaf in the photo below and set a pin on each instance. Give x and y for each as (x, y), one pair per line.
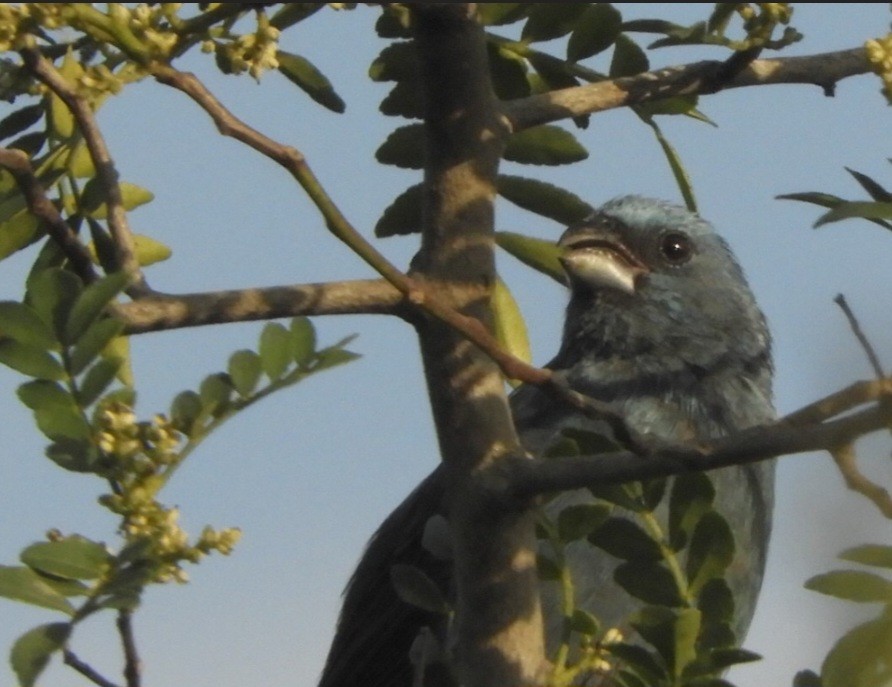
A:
(544, 145)
(404, 147)
(596, 30)
(304, 74)
(34, 362)
(303, 340)
(20, 322)
(244, 369)
(852, 585)
(71, 558)
(32, 651)
(275, 350)
(544, 199)
(23, 584)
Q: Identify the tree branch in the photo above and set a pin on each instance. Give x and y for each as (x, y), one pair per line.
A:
(823, 70)
(161, 312)
(806, 430)
(132, 664)
(106, 172)
(70, 659)
(18, 164)
(498, 620)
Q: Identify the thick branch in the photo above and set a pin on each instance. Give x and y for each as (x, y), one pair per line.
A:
(161, 312)
(18, 164)
(803, 431)
(498, 623)
(106, 172)
(823, 70)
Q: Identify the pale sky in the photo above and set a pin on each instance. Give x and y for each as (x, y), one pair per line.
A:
(310, 473)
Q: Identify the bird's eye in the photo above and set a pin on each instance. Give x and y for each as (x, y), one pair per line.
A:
(676, 247)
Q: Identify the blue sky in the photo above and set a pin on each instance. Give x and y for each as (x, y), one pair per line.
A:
(309, 474)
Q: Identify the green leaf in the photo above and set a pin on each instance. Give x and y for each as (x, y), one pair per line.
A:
(34, 362)
(852, 585)
(628, 58)
(624, 539)
(403, 100)
(649, 581)
(19, 120)
(640, 660)
(501, 13)
(275, 350)
(861, 658)
(509, 326)
(93, 198)
(332, 357)
(711, 550)
(547, 569)
(584, 623)
(549, 20)
(716, 602)
(827, 200)
(73, 455)
(149, 251)
(244, 369)
(93, 342)
(869, 554)
(544, 145)
(98, 379)
(691, 496)
(91, 303)
(596, 30)
(675, 164)
(807, 678)
(672, 633)
(304, 74)
(403, 215)
(32, 651)
(23, 584)
(71, 558)
(876, 191)
(42, 394)
(404, 148)
(414, 587)
(536, 253)
(80, 163)
(856, 210)
(18, 232)
(21, 323)
(544, 199)
(508, 71)
(30, 144)
(61, 423)
(215, 393)
(579, 520)
(184, 410)
(397, 62)
(52, 293)
(293, 13)
(303, 340)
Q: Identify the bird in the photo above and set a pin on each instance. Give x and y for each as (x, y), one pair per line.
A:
(662, 325)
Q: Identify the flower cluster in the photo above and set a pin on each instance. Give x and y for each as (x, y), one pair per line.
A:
(251, 52)
(139, 454)
(759, 25)
(879, 54)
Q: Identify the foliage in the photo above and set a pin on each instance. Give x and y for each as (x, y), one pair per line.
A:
(65, 337)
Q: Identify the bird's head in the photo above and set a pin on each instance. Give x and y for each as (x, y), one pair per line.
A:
(652, 281)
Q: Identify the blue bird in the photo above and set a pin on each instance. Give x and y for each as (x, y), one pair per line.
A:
(662, 325)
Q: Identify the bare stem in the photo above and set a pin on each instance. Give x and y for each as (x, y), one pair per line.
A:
(70, 659)
(132, 664)
(869, 350)
(106, 172)
(18, 164)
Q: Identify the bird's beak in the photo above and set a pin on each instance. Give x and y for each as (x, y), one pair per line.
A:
(600, 261)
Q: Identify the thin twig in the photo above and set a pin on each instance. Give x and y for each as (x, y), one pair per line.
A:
(70, 659)
(106, 172)
(823, 70)
(872, 356)
(18, 164)
(163, 312)
(132, 664)
(852, 396)
(847, 462)
(523, 478)
(293, 161)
